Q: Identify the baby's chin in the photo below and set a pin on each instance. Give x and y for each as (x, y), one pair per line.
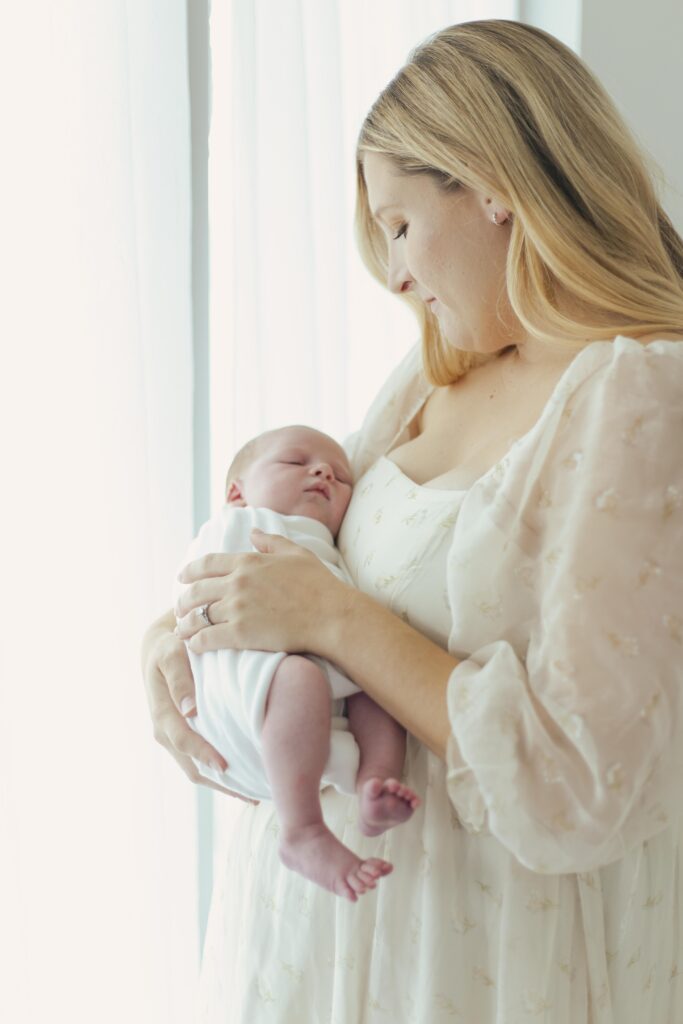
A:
(321, 513)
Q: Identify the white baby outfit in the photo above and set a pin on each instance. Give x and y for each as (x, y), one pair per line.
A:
(232, 686)
(539, 881)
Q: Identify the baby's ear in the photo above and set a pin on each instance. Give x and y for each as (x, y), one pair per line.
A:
(234, 495)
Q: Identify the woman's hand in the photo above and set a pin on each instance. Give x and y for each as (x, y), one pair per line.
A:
(280, 599)
(171, 696)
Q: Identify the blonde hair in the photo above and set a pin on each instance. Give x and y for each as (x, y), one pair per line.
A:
(506, 109)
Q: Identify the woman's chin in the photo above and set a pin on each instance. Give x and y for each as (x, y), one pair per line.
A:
(478, 342)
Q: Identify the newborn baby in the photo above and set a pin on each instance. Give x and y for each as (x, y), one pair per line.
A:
(278, 718)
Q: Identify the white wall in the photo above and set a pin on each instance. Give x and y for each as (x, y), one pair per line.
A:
(635, 50)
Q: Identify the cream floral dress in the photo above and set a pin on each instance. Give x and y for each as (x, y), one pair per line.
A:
(539, 879)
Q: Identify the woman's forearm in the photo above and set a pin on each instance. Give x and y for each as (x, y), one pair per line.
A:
(285, 599)
(397, 666)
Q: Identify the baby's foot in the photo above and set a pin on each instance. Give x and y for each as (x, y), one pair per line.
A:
(384, 803)
(317, 854)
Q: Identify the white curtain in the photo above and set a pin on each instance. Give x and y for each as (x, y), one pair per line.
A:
(98, 907)
(300, 332)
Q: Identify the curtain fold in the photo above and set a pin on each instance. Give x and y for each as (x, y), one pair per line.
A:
(98, 888)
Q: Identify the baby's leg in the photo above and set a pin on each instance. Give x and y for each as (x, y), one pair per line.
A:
(383, 800)
(296, 743)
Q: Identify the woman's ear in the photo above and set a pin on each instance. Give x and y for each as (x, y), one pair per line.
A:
(234, 494)
(495, 210)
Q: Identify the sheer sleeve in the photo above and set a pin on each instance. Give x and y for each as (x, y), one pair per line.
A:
(570, 752)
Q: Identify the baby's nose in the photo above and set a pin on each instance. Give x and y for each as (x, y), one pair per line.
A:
(322, 469)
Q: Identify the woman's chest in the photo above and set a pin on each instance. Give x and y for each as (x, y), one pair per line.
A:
(395, 540)
(468, 427)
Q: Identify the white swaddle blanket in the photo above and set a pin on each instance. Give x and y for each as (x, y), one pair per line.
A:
(232, 686)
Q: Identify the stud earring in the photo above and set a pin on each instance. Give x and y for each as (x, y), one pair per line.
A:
(497, 222)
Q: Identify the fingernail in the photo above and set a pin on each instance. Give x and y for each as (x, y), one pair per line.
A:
(187, 705)
(216, 765)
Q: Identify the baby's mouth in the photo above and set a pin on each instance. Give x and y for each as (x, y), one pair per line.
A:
(320, 489)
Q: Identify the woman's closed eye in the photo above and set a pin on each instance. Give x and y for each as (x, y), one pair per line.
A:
(402, 232)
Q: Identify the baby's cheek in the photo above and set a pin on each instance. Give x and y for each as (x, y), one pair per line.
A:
(339, 513)
(346, 501)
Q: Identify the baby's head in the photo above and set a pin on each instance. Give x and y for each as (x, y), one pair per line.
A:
(296, 471)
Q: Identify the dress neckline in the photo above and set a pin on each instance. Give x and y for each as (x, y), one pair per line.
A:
(544, 412)
(443, 491)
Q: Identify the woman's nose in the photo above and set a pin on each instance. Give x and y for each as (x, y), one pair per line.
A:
(398, 277)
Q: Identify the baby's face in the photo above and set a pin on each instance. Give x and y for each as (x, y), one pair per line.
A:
(300, 472)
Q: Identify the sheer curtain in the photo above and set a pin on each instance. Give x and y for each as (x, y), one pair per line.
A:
(97, 882)
(299, 329)
(300, 332)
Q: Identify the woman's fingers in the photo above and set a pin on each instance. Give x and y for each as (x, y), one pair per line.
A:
(193, 621)
(198, 594)
(190, 769)
(215, 564)
(206, 579)
(174, 665)
(172, 732)
(178, 737)
(170, 727)
(266, 599)
(273, 543)
(225, 636)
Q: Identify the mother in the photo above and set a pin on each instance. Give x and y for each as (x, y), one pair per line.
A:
(516, 537)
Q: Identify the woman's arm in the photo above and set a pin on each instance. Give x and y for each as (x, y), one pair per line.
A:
(285, 599)
(570, 750)
(397, 666)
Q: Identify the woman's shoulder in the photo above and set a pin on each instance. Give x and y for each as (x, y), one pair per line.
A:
(631, 353)
(611, 428)
(619, 406)
(625, 368)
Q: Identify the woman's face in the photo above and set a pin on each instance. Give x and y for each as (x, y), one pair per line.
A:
(445, 247)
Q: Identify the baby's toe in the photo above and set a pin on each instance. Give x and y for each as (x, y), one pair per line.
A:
(356, 883)
(378, 867)
(343, 888)
(365, 876)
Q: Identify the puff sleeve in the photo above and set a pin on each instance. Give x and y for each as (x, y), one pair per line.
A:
(567, 745)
